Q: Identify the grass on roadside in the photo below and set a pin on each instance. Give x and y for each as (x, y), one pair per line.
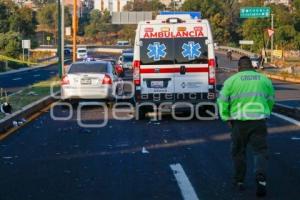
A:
(31, 94)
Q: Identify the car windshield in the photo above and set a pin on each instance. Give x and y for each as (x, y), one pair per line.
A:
(82, 51)
(88, 68)
(127, 59)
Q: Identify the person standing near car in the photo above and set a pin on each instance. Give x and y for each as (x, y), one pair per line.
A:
(229, 55)
(245, 102)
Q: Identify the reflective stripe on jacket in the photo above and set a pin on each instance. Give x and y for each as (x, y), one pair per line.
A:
(247, 95)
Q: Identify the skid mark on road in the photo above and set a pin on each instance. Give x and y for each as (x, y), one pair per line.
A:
(186, 188)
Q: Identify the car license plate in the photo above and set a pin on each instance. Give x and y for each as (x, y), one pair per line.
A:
(157, 84)
(86, 81)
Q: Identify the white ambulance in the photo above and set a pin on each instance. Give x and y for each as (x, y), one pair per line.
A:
(174, 61)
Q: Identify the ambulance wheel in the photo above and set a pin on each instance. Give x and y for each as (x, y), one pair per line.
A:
(69, 103)
(141, 114)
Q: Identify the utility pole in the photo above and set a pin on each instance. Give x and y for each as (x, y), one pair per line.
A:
(174, 5)
(272, 37)
(59, 48)
(74, 23)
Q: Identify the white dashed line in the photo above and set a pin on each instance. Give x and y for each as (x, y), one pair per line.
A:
(186, 188)
(37, 75)
(16, 79)
(291, 120)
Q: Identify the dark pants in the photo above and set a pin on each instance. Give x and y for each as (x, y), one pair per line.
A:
(253, 133)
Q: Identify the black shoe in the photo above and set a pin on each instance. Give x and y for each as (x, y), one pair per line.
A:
(261, 185)
(239, 186)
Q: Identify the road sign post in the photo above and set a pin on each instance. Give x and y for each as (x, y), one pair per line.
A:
(26, 44)
(48, 40)
(259, 12)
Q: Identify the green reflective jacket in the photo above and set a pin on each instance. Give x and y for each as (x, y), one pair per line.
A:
(247, 95)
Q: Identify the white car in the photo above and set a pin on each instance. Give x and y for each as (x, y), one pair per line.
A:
(126, 60)
(123, 43)
(89, 80)
(81, 53)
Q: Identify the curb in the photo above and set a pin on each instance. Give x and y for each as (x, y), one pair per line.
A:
(290, 111)
(287, 79)
(7, 122)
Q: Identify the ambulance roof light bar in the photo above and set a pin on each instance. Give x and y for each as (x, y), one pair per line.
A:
(193, 15)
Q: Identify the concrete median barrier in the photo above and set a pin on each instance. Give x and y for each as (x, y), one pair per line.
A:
(35, 107)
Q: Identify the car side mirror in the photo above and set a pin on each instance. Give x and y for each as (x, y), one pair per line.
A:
(66, 68)
(139, 43)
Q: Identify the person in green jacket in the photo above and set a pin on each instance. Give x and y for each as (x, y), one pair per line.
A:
(245, 102)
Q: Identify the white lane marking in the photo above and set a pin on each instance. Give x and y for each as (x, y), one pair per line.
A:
(36, 75)
(291, 120)
(186, 188)
(144, 150)
(16, 79)
(295, 138)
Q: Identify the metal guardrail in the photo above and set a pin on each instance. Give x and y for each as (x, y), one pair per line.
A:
(89, 46)
(236, 50)
(48, 59)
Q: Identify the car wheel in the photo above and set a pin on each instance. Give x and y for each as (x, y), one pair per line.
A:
(140, 113)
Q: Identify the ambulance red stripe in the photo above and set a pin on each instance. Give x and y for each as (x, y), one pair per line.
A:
(174, 70)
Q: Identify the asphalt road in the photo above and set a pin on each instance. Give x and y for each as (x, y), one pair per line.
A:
(59, 160)
(17, 81)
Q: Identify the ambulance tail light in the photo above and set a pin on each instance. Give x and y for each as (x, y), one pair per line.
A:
(211, 72)
(136, 72)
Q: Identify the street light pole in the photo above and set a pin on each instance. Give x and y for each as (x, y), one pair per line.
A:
(62, 36)
(74, 24)
(272, 37)
(59, 48)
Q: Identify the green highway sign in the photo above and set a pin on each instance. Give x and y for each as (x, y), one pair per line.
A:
(255, 12)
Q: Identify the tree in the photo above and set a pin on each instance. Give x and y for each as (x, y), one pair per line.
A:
(100, 23)
(47, 16)
(10, 43)
(41, 3)
(16, 23)
(23, 22)
(144, 5)
(222, 16)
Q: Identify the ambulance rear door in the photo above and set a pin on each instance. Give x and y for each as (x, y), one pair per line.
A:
(191, 57)
(157, 61)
